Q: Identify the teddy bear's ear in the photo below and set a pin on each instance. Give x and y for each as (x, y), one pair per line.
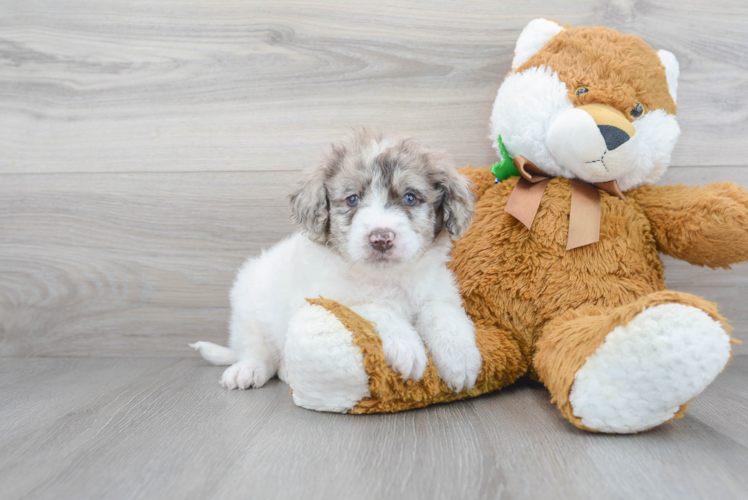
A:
(536, 34)
(672, 71)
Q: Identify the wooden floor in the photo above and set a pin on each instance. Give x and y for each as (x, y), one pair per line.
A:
(163, 428)
(146, 149)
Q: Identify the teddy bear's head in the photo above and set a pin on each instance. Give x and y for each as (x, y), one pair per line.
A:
(589, 103)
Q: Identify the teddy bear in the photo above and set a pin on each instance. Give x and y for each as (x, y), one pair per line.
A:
(560, 271)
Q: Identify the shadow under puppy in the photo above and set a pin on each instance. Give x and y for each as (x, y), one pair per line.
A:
(376, 216)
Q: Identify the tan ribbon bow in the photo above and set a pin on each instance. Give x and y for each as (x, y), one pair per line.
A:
(584, 214)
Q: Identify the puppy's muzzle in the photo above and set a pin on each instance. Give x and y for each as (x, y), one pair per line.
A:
(381, 239)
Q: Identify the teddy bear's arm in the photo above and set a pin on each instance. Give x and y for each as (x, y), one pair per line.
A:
(706, 226)
(481, 177)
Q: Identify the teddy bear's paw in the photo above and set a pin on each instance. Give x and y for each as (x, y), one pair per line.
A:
(322, 365)
(457, 365)
(644, 371)
(405, 354)
(246, 374)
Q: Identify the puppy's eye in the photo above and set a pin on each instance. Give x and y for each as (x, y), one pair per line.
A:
(410, 199)
(352, 200)
(581, 90)
(637, 110)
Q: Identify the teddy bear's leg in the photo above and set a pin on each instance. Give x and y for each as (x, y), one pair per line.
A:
(334, 361)
(323, 366)
(634, 367)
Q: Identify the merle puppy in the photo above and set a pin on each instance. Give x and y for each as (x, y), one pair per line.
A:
(376, 216)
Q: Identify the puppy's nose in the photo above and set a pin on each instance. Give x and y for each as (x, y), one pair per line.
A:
(381, 239)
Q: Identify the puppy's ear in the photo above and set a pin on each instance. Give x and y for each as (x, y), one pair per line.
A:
(310, 206)
(458, 200)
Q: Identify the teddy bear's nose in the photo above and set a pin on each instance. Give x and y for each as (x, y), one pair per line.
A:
(613, 136)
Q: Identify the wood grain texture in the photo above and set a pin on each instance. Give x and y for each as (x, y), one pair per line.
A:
(188, 85)
(141, 264)
(145, 150)
(159, 428)
(128, 260)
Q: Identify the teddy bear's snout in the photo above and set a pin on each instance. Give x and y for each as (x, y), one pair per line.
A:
(613, 136)
(593, 141)
(613, 125)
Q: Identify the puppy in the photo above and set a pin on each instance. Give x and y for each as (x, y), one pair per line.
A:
(376, 215)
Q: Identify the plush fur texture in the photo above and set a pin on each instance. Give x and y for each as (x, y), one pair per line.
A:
(541, 115)
(377, 213)
(586, 294)
(583, 321)
(536, 34)
(672, 72)
(387, 390)
(325, 367)
(568, 342)
(644, 372)
(705, 226)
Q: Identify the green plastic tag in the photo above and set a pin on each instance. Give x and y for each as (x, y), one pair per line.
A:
(504, 168)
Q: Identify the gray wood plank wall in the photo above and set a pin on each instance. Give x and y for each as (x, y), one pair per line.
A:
(146, 147)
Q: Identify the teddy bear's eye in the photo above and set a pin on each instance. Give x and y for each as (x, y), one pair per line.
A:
(582, 90)
(637, 110)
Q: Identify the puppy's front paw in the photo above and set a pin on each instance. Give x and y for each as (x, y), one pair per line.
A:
(458, 364)
(406, 356)
(246, 374)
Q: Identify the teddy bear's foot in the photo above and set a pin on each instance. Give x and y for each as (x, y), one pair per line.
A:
(322, 365)
(634, 367)
(645, 371)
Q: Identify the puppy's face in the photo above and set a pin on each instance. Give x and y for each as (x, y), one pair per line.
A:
(381, 199)
(384, 206)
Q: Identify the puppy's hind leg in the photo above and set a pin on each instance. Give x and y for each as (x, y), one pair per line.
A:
(256, 360)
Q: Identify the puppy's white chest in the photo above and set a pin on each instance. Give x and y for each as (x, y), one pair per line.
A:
(394, 293)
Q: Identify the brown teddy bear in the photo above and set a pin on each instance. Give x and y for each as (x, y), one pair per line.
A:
(561, 270)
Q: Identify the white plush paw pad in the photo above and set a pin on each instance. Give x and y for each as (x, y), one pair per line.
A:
(407, 357)
(246, 374)
(644, 371)
(324, 367)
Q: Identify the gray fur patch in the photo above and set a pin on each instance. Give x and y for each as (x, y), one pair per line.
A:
(385, 167)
